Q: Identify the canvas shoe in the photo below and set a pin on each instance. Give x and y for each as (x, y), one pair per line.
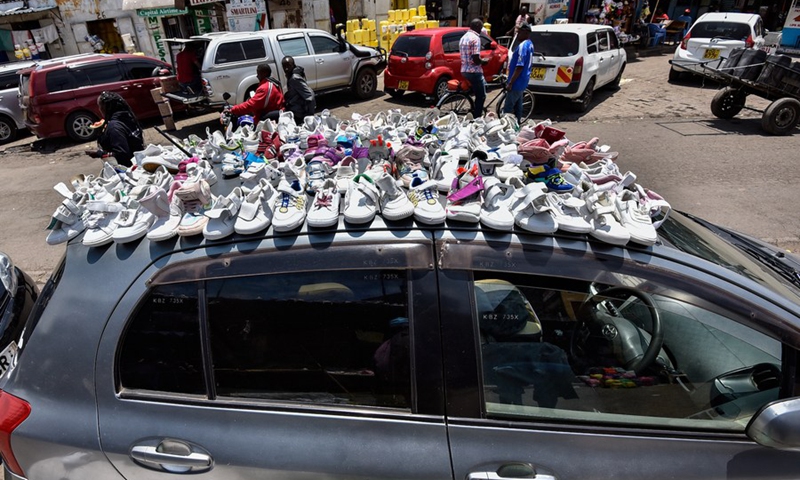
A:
(345, 171)
(496, 206)
(424, 195)
(533, 213)
(635, 217)
(324, 209)
(222, 215)
(256, 211)
(289, 210)
(361, 200)
(394, 204)
(445, 167)
(196, 197)
(67, 221)
(570, 212)
(318, 171)
(464, 198)
(167, 213)
(549, 176)
(99, 220)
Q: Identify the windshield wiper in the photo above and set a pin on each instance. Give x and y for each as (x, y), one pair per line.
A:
(398, 52)
(772, 260)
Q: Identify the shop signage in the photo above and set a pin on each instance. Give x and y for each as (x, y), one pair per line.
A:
(243, 14)
(160, 12)
(155, 31)
(200, 2)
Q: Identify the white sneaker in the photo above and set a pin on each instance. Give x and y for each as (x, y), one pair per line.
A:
(532, 213)
(99, 221)
(606, 225)
(222, 215)
(571, 212)
(324, 211)
(360, 200)
(635, 217)
(496, 207)
(345, 171)
(255, 213)
(445, 167)
(132, 222)
(290, 206)
(395, 205)
(424, 195)
(168, 213)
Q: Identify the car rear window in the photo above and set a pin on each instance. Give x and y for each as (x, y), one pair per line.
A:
(58, 80)
(726, 30)
(556, 44)
(412, 45)
(240, 50)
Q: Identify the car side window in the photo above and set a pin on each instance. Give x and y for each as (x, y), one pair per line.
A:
(9, 81)
(602, 41)
(450, 42)
(613, 40)
(59, 80)
(99, 74)
(293, 47)
(239, 51)
(591, 42)
(486, 41)
(328, 338)
(138, 70)
(759, 28)
(552, 349)
(322, 44)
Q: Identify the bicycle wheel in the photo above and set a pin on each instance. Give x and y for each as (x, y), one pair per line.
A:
(455, 102)
(528, 101)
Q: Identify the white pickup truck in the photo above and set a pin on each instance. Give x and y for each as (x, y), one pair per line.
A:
(229, 59)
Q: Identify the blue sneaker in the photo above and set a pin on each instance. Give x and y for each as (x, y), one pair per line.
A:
(550, 176)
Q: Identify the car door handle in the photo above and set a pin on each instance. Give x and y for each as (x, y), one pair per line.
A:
(511, 471)
(319, 60)
(495, 476)
(151, 455)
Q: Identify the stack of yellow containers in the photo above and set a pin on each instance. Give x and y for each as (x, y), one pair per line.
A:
(361, 32)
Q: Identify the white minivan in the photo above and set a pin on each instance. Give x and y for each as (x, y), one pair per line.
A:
(573, 60)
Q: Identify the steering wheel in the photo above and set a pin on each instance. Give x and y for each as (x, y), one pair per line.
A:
(602, 327)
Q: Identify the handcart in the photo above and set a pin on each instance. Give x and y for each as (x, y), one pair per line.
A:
(771, 80)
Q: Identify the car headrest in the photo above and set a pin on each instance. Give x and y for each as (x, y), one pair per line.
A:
(503, 311)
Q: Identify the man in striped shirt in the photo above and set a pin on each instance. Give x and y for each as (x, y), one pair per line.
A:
(471, 64)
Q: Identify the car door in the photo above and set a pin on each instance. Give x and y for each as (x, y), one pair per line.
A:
(542, 344)
(95, 77)
(140, 80)
(489, 50)
(296, 45)
(451, 52)
(334, 68)
(272, 371)
(605, 58)
(230, 65)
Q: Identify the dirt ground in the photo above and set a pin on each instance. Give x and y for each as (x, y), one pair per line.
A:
(29, 170)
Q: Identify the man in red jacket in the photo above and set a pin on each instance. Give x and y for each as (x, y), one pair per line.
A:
(266, 103)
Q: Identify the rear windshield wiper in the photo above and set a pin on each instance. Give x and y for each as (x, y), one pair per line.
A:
(399, 52)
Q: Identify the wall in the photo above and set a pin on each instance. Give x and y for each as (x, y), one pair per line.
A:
(75, 14)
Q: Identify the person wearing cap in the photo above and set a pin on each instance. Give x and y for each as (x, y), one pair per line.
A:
(520, 71)
(120, 132)
(268, 101)
(687, 19)
(472, 64)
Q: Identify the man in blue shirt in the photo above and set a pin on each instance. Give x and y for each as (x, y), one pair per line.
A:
(520, 68)
(686, 17)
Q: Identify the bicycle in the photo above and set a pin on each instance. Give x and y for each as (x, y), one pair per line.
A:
(459, 99)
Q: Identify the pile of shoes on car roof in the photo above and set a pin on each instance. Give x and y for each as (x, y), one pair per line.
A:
(487, 170)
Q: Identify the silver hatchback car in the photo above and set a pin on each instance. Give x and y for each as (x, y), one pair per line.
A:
(398, 350)
(11, 117)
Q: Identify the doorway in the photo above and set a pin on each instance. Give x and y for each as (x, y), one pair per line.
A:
(107, 31)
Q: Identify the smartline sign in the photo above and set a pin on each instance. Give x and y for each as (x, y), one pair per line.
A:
(161, 12)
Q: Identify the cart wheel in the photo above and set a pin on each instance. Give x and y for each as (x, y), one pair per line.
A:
(781, 116)
(728, 102)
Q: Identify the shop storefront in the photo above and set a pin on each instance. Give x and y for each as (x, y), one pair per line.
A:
(28, 31)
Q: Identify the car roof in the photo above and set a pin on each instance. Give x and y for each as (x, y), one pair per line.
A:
(15, 66)
(273, 31)
(569, 27)
(728, 17)
(430, 32)
(84, 60)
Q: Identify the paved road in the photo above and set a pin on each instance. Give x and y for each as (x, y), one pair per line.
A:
(729, 172)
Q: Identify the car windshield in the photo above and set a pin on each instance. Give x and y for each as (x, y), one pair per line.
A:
(412, 45)
(555, 44)
(693, 237)
(727, 30)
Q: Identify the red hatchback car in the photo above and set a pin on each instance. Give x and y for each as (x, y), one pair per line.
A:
(59, 98)
(424, 60)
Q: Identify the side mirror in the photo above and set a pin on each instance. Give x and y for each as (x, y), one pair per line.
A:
(342, 46)
(226, 96)
(775, 425)
(493, 45)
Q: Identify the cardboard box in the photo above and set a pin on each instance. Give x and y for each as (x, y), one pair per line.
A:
(156, 94)
(169, 84)
(169, 122)
(164, 108)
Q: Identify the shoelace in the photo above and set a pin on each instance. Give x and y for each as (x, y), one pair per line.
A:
(324, 200)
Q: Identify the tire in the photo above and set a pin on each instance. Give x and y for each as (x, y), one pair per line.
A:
(727, 103)
(585, 100)
(394, 93)
(674, 75)
(78, 126)
(528, 103)
(8, 129)
(618, 79)
(781, 116)
(455, 102)
(366, 83)
(250, 91)
(440, 89)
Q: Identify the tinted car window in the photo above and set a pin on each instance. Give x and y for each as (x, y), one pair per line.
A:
(602, 41)
(294, 47)
(319, 337)
(556, 44)
(239, 51)
(9, 80)
(728, 30)
(551, 350)
(161, 347)
(324, 44)
(138, 70)
(450, 42)
(591, 42)
(412, 45)
(60, 79)
(100, 74)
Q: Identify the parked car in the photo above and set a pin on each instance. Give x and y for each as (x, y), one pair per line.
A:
(424, 60)
(404, 350)
(11, 118)
(331, 64)
(713, 37)
(573, 60)
(18, 293)
(59, 97)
